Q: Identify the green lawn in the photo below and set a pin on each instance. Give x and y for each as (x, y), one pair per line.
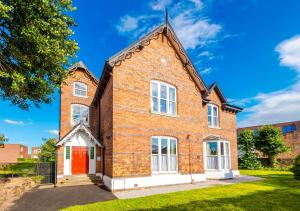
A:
(279, 191)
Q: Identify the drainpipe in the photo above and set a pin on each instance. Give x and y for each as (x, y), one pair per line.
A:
(190, 165)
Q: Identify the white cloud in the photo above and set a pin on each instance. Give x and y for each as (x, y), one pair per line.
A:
(13, 122)
(206, 71)
(289, 53)
(194, 32)
(127, 24)
(282, 105)
(53, 132)
(160, 5)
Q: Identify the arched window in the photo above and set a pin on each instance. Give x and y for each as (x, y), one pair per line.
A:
(163, 98)
(79, 113)
(79, 89)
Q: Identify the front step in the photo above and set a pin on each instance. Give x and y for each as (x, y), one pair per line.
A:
(80, 180)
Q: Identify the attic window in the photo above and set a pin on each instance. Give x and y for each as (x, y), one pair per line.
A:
(79, 89)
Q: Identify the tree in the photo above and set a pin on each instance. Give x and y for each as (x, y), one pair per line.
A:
(3, 139)
(35, 49)
(246, 145)
(270, 142)
(296, 168)
(47, 153)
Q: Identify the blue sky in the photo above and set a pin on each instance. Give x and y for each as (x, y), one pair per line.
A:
(250, 47)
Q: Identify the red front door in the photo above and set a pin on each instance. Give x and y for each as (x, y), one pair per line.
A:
(80, 160)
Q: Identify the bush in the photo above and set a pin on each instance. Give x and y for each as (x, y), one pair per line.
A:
(296, 168)
(21, 169)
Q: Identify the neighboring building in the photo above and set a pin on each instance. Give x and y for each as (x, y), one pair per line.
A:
(11, 152)
(150, 120)
(35, 152)
(291, 133)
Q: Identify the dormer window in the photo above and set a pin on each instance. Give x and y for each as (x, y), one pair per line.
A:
(79, 89)
(213, 116)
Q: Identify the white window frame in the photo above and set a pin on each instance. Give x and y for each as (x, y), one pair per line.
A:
(219, 155)
(168, 155)
(83, 84)
(168, 100)
(81, 105)
(211, 115)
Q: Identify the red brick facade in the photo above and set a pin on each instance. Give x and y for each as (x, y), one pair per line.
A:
(292, 139)
(127, 124)
(11, 152)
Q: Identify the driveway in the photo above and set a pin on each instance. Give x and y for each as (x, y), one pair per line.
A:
(50, 199)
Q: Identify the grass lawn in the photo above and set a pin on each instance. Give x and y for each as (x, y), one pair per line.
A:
(279, 191)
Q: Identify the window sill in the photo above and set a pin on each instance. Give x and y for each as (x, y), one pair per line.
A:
(218, 128)
(164, 173)
(163, 114)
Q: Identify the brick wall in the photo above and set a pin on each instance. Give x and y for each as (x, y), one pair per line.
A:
(11, 152)
(67, 99)
(133, 123)
(291, 139)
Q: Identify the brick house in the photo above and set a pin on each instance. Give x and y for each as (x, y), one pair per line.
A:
(291, 134)
(35, 152)
(10, 153)
(150, 120)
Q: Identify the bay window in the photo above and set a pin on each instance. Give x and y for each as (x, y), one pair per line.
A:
(163, 98)
(213, 116)
(164, 154)
(79, 113)
(217, 155)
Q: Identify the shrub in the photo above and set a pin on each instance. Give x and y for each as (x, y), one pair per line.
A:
(296, 168)
(246, 142)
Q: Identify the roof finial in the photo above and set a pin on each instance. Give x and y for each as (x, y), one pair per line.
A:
(167, 16)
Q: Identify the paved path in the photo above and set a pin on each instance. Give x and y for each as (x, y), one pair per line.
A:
(182, 187)
(50, 199)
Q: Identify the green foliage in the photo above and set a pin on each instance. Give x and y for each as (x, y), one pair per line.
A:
(27, 160)
(47, 153)
(35, 49)
(21, 169)
(270, 142)
(37, 179)
(246, 144)
(3, 139)
(296, 168)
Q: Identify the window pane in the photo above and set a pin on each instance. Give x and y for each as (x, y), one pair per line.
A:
(84, 114)
(163, 106)
(173, 149)
(212, 148)
(222, 148)
(154, 89)
(163, 92)
(154, 145)
(164, 163)
(155, 163)
(172, 108)
(226, 148)
(173, 163)
(209, 110)
(172, 94)
(154, 104)
(209, 120)
(164, 146)
(215, 111)
(215, 123)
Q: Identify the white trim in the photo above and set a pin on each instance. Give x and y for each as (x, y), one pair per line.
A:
(168, 155)
(155, 180)
(167, 113)
(79, 127)
(80, 105)
(212, 116)
(86, 89)
(220, 174)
